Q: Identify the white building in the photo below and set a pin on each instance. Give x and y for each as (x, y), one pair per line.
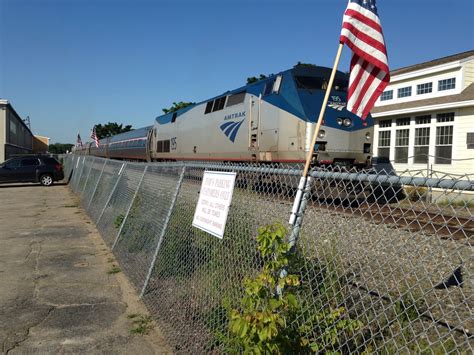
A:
(425, 117)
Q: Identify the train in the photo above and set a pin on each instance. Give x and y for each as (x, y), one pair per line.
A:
(269, 121)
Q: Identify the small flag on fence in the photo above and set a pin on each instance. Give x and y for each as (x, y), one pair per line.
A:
(79, 140)
(94, 137)
(362, 33)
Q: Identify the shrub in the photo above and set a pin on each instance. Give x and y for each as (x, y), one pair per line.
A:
(265, 321)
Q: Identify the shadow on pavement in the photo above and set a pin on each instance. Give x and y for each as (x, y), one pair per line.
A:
(14, 185)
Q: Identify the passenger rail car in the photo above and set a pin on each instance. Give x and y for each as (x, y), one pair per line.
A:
(133, 145)
(271, 120)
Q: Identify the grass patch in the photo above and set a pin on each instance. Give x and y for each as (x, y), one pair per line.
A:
(118, 220)
(110, 260)
(416, 193)
(133, 315)
(142, 324)
(114, 270)
(456, 203)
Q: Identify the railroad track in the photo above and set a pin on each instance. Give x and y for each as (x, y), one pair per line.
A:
(445, 226)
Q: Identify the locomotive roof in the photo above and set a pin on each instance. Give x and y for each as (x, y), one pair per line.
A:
(257, 87)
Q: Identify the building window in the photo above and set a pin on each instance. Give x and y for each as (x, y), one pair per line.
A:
(426, 119)
(424, 88)
(385, 123)
(401, 145)
(446, 84)
(386, 95)
(384, 144)
(444, 144)
(13, 127)
(445, 117)
(405, 121)
(422, 143)
(470, 140)
(404, 92)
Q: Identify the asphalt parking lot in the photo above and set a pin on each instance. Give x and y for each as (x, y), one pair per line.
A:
(57, 292)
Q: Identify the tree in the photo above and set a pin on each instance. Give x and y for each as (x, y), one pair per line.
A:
(60, 148)
(302, 65)
(177, 106)
(110, 129)
(254, 79)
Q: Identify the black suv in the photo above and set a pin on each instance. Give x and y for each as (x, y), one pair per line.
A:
(33, 168)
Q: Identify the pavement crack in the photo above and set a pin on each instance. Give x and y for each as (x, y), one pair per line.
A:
(30, 251)
(60, 306)
(36, 272)
(26, 333)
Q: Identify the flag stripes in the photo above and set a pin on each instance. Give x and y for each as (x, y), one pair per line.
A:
(94, 137)
(369, 74)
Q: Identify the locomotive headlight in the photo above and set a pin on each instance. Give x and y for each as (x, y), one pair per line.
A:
(321, 134)
(347, 122)
(368, 136)
(339, 121)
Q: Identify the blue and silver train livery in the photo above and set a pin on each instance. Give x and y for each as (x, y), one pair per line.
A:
(271, 120)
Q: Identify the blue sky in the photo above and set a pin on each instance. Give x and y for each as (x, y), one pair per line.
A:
(69, 64)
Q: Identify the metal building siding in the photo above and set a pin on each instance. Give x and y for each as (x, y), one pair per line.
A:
(2, 133)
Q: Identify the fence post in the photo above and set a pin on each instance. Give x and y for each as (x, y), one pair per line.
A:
(88, 175)
(296, 226)
(75, 172)
(129, 208)
(120, 173)
(97, 185)
(76, 182)
(163, 231)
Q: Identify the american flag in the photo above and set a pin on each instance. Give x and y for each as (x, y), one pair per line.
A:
(79, 141)
(94, 137)
(362, 32)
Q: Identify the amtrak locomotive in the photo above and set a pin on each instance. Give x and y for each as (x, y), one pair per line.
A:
(271, 120)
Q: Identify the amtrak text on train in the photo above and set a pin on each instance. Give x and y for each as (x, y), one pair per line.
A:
(234, 115)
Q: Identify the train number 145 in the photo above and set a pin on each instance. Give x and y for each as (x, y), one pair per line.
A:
(173, 143)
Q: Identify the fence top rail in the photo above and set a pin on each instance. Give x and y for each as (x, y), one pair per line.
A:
(416, 178)
(382, 177)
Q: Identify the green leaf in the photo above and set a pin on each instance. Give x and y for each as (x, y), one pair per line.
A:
(314, 347)
(274, 304)
(263, 334)
(292, 300)
(243, 330)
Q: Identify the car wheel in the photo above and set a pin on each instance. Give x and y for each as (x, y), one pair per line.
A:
(46, 180)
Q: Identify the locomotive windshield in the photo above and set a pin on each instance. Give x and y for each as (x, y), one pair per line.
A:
(317, 83)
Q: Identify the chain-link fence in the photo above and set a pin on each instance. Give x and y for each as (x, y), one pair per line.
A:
(385, 263)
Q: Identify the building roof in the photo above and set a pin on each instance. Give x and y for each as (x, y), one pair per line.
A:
(466, 95)
(432, 63)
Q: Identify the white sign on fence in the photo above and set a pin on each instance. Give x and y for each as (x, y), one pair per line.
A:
(214, 201)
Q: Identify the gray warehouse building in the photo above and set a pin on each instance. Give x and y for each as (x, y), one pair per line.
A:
(15, 136)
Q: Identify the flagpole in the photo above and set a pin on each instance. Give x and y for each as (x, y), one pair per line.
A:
(323, 110)
(303, 179)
